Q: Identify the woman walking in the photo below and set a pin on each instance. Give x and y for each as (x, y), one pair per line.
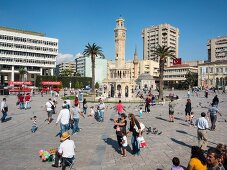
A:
(188, 109)
(134, 124)
(120, 126)
(85, 106)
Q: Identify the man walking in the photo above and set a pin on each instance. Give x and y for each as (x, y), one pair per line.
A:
(202, 125)
(50, 110)
(4, 110)
(213, 111)
(63, 117)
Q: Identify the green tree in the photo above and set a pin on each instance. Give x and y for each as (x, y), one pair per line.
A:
(93, 51)
(77, 85)
(22, 72)
(66, 73)
(191, 79)
(81, 84)
(163, 52)
(96, 85)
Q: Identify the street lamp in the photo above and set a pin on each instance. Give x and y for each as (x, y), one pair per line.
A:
(70, 84)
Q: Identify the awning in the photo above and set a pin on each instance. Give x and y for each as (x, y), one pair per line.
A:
(55, 83)
(20, 83)
(20, 90)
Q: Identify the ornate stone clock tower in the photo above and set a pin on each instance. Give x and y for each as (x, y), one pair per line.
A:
(120, 37)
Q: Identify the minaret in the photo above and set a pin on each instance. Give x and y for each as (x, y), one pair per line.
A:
(120, 37)
(136, 64)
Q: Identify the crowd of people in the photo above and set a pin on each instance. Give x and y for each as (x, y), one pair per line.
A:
(70, 113)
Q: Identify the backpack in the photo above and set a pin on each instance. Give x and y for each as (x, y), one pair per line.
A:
(52, 106)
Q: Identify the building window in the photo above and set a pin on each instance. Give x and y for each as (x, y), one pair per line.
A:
(32, 76)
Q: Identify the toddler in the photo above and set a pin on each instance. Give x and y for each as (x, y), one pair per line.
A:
(124, 144)
(176, 164)
(141, 112)
(34, 124)
(192, 122)
(92, 112)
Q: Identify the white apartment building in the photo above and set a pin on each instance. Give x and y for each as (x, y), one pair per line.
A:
(163, 34)
(26, 49)
(67, 66)
(84, 67)
(217, 49)
(176, 74)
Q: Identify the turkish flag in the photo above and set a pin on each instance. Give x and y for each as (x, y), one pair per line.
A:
(176, 61)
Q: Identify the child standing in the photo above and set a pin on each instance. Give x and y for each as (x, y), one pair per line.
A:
(141, 112)
(124, 144)
(34, 124)
(176, 164)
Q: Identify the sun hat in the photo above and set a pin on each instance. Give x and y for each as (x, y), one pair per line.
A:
(65, 136)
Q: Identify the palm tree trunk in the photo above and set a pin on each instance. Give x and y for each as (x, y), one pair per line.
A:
(93, 74)
(161, 82)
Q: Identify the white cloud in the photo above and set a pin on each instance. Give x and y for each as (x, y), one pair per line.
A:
(61, 58)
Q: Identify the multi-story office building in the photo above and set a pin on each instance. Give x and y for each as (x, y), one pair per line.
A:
(26, 49)
(163, 34)
(84, 67)
(67, 66)
(217, 49)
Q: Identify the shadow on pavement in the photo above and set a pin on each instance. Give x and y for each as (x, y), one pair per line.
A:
(160, 118)
(180, 142)
(113, 143)
(184, 124)
(181, 131)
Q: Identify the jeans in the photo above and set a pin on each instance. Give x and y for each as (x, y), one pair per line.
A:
(135, 145)
(27, 105)
(21, 105)
(64, 128)
(213, 119)
(76, 125)
(101, 115)
(34, 128)
(85, 110)
(4, 116)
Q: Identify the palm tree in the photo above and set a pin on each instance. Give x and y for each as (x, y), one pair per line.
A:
(22, 72)
(93, 51)
(163, 52)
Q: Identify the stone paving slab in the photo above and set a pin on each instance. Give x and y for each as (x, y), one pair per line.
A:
(96, 145)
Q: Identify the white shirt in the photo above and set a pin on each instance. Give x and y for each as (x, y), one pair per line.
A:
(67, 148)
(48, 105)
(202, 123)
(101, 106)
(3, 104)
(125, 140)
(76, 112)
(64, 116)
(68, 102)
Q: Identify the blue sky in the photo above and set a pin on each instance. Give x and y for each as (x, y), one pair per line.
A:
(77, 22)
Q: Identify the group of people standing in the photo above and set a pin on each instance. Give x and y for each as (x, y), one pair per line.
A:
(24, 101)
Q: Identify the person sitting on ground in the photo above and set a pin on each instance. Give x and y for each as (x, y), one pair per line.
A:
(213, 159)
(176, 164)
(198, 160)
(92, 111)
(66, 151)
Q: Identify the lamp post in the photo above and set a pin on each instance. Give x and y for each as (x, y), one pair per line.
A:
(70, 84)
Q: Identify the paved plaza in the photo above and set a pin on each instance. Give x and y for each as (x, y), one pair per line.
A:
(96, 144)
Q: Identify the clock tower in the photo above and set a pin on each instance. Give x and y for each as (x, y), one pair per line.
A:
(120, 37)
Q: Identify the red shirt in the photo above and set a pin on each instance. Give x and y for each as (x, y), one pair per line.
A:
(27, 98)
(21, 98)
(119, 107)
